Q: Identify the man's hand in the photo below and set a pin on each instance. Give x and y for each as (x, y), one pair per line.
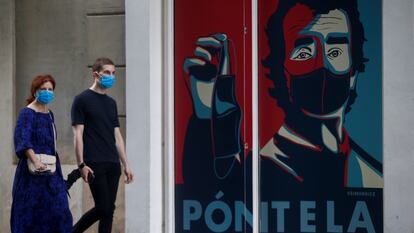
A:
(212, 86)
(210, 60)
(84, 173)
(129, 176)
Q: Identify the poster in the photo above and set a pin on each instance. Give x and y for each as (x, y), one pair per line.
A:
(212, 85)
(320, 116)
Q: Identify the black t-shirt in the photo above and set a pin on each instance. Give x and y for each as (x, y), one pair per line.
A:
(98, 113)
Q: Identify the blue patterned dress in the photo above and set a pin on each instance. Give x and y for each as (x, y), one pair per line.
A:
(40, 203)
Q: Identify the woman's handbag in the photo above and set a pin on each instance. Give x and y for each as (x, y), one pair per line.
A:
(48, 160)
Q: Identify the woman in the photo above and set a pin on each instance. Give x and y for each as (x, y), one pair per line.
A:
(40, 204)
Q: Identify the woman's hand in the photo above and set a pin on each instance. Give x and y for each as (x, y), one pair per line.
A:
(39, 166)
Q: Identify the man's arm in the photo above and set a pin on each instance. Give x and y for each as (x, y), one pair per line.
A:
(78, 143)
(213, 95)
(120, 146)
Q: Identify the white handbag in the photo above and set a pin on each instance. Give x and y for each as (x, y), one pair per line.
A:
(48, 160)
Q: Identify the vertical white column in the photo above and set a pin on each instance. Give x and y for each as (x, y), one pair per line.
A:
(137, 195)
(144, 95)
(156, 116)
(398, 91)
(169, 108)
(255, 118)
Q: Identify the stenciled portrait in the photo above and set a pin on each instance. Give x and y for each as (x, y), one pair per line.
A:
(320, 116)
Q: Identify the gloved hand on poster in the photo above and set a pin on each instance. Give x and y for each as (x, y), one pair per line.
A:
(212, 86)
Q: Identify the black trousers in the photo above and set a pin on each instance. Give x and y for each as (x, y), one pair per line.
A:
(104, 189)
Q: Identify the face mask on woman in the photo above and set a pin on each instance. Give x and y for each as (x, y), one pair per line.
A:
(44, 96)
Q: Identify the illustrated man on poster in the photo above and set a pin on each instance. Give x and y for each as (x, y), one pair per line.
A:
(316, 55)
(314, 61)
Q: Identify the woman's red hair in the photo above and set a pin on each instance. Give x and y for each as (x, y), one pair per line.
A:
(37, 82)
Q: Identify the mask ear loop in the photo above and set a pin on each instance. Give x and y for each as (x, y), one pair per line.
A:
(219, 63)
(354, 80)
(288, 83)
(99, 76)
(220, 59)
(231, 58)
(218, 71)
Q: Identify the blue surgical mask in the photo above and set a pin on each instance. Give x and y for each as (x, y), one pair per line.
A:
(44, 96)
(107, 81)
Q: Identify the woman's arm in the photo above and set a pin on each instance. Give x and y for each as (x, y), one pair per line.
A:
(30, 154)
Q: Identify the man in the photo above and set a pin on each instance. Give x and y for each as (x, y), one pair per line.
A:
(99, 146)
(316, 54)
(314, 63)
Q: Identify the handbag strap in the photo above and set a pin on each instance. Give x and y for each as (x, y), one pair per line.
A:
(58, 168)
(54, 131)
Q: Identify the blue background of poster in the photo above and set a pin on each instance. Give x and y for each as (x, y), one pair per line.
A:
(364, 122)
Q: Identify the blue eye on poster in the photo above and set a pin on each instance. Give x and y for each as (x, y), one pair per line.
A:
(320, 116)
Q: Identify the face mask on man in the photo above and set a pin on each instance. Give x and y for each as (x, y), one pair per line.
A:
(44, 96)
(320, 92)
(106, 81)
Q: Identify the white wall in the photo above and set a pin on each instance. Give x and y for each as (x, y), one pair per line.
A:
(398, 115)
(7, 81)
(144, 62)
(144, 51)
(137, 109)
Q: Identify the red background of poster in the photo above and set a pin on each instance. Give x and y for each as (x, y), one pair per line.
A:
(194, 19)
(270, 116)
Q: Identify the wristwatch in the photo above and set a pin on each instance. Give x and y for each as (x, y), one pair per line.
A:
(80, 166)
